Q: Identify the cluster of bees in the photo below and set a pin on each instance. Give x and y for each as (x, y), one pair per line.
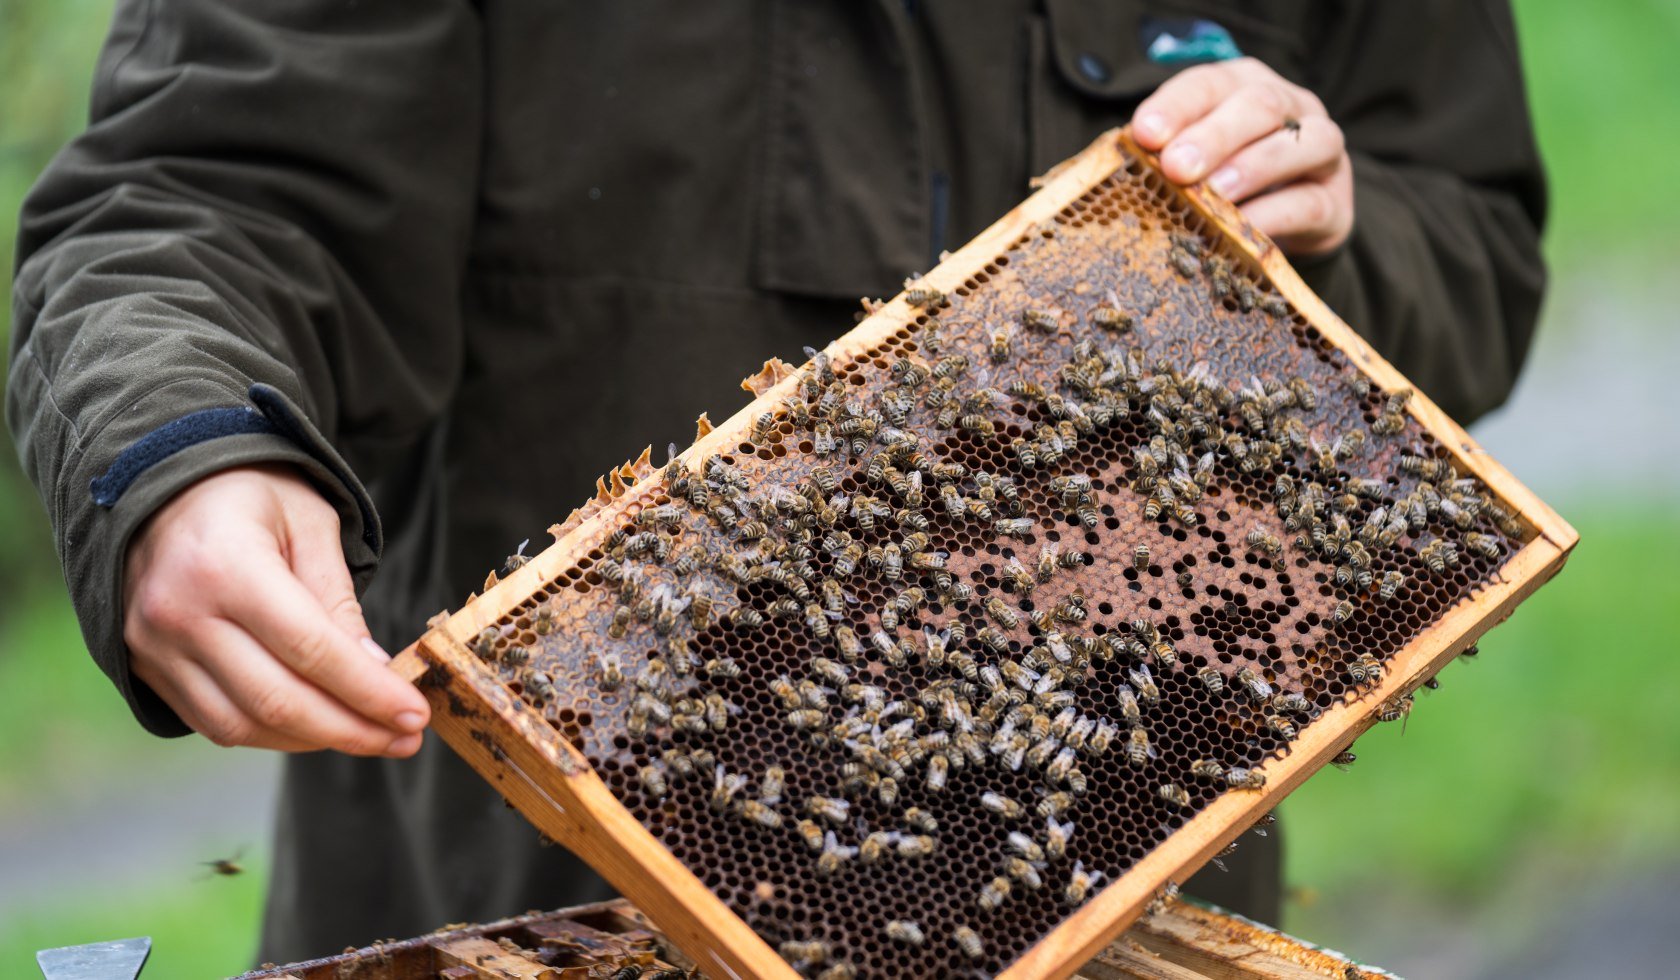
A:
(904, 700)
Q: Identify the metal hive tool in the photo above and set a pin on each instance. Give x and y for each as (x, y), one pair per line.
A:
(1193, 505)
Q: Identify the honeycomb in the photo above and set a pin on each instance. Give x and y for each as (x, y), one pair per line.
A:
(976, 619)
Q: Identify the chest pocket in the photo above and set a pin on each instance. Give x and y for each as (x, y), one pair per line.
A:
(1091, 69)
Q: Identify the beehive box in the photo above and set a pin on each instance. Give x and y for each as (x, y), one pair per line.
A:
(959, 644)
(615, 941)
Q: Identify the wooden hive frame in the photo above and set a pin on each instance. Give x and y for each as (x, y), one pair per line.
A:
(549, 781)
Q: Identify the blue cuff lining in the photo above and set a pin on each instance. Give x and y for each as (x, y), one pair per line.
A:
(170, 438)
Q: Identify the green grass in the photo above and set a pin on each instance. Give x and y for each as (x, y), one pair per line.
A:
(199, 927)
(1557, 741)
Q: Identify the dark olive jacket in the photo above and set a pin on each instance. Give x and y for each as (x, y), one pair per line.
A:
(455, 259)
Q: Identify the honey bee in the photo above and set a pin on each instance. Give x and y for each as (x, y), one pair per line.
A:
(725, 788)
(1253, 685)
(1109, 318)
(919, 819)
(1080, 883)
(1211, 679)
(811, 834)
(1056, 837)
(745, 619)
(829, 808)
(1185, 263)
(1342, 612)
(620, 622)
(1264, 541)
(1280, 726)
(1129, 710)
(994, 894)
(915, 845)
(1001, 805)
(1483, 544)
(1365, 668)
(1163, 898)
(905, 932)
(1041, 320)
(834, 855)
(1001, 347)
(938, 771)
(1290, 701)
(1390, 586)
(950, 367)
(718, 710)
(759, 812)
(847, 643)
(1015, 527)
(1395, 708)
(1144, 682)
(1138, 749)
(1174, 794)
(1344, 759)
(1207, 769)
(1242, 778)
(968, 941)
(805, 719)
(1024, 871)
(807, 953)
(1002, 614)
(609, 674)
(652, 778)
(1140, 559)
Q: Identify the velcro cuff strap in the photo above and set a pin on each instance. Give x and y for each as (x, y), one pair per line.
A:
(170, 438)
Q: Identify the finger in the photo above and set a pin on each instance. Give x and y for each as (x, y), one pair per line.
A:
(205, 707)
(281, 702)
(1284, 157)
(1299, 217)
(1180, 101)
(283, 616)
(1248, 114)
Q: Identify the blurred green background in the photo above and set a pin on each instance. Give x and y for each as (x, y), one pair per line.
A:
(1530, 801)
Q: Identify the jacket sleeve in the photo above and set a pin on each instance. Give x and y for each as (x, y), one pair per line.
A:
(1443, 272)
(252, 254)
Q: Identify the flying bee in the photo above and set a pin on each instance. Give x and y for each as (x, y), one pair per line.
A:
(905, 932)
(1174, 794)
(968, 941)
(1207, 769)
(994, 894)
(1080, 883)
(1138, 750)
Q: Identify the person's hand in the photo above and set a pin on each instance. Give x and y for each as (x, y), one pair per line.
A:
(1266, 144)
(240, 614)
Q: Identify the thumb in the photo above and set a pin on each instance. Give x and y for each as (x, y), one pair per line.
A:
(317, 559)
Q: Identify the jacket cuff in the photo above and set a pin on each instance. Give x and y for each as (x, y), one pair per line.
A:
(99, 522)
